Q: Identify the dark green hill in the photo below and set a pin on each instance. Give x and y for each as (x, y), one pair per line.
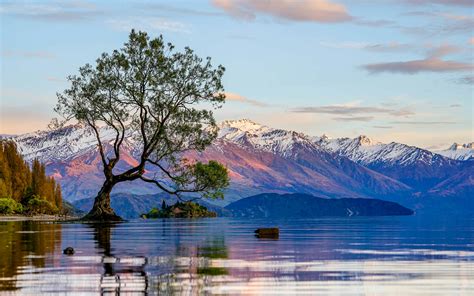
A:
(272, 205)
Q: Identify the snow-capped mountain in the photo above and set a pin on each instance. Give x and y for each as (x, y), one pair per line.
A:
(367, 151)
(459, 151)
(61, 144)
(416, 167)
(247, 132)
(261, 159)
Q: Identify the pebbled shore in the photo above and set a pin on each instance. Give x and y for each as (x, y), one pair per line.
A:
(52, 218)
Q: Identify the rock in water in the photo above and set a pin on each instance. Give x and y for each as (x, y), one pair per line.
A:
(68, 251)
(267, 232)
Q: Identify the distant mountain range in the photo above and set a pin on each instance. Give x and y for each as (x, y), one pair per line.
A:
(262, 159)
(418, 168)
(459, 151)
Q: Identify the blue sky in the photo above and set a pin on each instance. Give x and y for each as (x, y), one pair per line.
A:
(393, 70)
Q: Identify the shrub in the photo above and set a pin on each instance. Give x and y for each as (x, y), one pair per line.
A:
(153, 213)
(37, 205)
(9, 206)
(180, 210)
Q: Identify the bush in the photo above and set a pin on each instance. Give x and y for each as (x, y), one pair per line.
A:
(9, 206)
(180, 210)
(153, 213)
(36, 205)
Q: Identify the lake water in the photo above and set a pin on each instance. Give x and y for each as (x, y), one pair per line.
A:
(339, 256)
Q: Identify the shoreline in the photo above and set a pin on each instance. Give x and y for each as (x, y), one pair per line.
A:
(44, 218)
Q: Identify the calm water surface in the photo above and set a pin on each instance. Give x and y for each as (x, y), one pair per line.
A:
(340, 256)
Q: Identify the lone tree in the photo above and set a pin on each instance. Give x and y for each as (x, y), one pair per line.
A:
(159, 98)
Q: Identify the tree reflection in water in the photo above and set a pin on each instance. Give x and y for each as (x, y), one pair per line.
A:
(189, 270)
(220, 256)
(193, 270)
(120, 274)
(26, 245)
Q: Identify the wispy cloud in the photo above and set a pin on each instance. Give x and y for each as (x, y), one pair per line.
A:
(159, 7)
(370, 46)
(55, 11)
(442, 2)
(348, 44)
(465, 80)
(238, 98)
(374, 23)
(355, 118)
(390, 47)
(440, 23)
(432, 63)
(147, 24)
(455, 105)
(416, 66)
(320, 11)
(351, 110)
(382, 126)
(423, 122)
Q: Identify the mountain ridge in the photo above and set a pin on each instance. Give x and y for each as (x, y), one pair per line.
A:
(264, 159)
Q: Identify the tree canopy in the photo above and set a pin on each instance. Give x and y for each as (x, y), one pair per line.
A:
(27, 186)
(160, 98)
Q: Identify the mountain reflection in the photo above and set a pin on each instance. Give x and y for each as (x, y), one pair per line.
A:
(222, 256)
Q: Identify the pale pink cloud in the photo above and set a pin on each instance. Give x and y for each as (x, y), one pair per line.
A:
(238, 98)
(425, 65)
(443, 2)
(434, 62)
(321, 11)
(471, 41)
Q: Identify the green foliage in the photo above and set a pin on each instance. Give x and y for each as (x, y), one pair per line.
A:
(212, 271)
(20, 183)
(37, 205)
(154, 213)
(9, 206)
(213, 177)
(15, 174)
(149, 90)
(181, 210)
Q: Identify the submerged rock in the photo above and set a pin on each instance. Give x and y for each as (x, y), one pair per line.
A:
(68, 251)
(273, 232)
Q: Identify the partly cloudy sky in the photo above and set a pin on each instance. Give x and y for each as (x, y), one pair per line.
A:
(395, 70)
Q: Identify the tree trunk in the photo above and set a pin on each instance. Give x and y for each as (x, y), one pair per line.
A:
(102, 211)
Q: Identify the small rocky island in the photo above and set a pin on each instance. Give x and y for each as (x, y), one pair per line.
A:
(180, 210)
